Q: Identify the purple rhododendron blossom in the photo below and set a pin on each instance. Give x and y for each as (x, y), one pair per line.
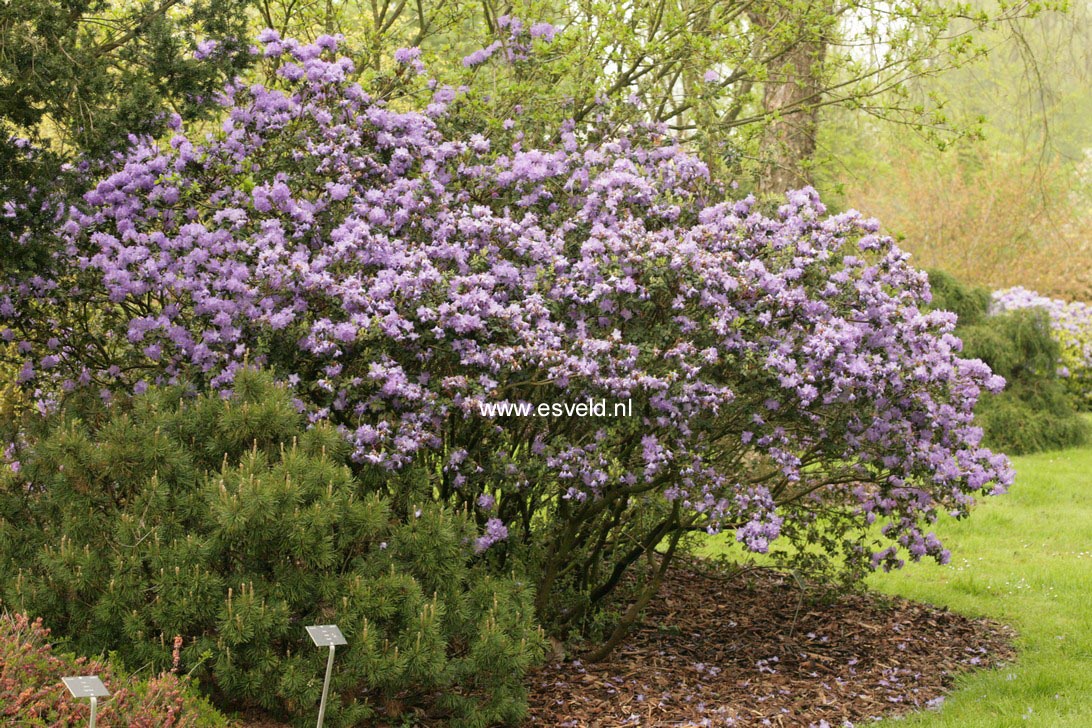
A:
(399, 278)
(481, 55)
(206, 49)
(410, 57)
(495, 532)
(545, 31)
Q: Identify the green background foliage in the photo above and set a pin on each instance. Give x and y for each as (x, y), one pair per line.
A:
(1035, 412)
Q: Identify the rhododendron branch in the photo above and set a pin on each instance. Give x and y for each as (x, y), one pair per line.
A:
(629, 618)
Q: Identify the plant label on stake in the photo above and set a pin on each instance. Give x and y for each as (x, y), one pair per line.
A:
(326, 635)
(87, 686)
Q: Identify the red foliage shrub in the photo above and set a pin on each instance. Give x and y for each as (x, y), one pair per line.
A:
(32, 694)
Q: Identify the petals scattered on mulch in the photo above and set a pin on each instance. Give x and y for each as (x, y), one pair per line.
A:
(745, 651)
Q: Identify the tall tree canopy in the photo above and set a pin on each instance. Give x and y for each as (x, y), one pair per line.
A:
(742, 79)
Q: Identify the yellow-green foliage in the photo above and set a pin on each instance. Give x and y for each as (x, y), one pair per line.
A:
(13, 403)
(1074, 346)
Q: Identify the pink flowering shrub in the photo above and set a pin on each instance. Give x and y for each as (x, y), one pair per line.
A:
(399, 271)
(32, 694)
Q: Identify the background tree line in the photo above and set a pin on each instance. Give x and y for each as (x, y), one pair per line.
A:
(749, 82)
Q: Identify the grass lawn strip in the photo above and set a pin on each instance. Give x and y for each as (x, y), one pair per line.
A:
(1024, 559)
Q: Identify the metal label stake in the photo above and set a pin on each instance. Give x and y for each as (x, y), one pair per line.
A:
(87, 686)
(326, 635)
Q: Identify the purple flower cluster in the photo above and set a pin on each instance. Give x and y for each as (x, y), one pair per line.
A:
(514, 39)
(410, 57)
(495, 531)
(398, 278)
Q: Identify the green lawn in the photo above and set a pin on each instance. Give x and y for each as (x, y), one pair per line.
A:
(1024, 559)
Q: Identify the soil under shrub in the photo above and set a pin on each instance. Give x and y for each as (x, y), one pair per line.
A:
(740, 650)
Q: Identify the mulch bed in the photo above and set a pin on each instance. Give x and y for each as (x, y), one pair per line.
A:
(746, 650)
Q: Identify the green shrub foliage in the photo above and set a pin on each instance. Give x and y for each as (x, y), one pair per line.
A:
(1034, 412)
(1032, 418)
(230, 523)
(969, 303)
(1071, 327)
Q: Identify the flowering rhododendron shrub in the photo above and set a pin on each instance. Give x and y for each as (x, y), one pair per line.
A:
(1071, 326)
(400, 272)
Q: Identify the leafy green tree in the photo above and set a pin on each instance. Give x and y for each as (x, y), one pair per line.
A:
(743, 80)
(88, 73)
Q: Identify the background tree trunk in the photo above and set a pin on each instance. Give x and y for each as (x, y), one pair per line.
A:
(791, 97)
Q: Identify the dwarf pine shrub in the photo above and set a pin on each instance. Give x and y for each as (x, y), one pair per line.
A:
(230, 523)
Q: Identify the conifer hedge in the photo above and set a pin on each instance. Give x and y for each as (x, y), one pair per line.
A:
(1035, 411)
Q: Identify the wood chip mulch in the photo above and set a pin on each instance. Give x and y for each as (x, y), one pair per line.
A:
(746, 650)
